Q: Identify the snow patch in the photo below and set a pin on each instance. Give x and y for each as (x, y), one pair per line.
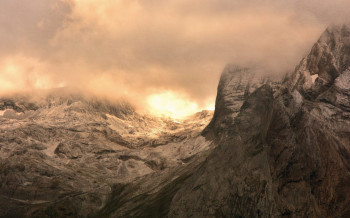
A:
(12, 114)
(50, 151)
(297, 97)
(314, 77)
(308, 80)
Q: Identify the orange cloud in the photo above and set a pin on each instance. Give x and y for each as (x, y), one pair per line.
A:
(138, 48)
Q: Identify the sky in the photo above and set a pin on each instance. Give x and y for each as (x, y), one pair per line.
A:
(163, 56)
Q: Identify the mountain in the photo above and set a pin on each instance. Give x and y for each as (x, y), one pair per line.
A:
(271, 149)
(151, 196)
(286, 155)
(62, 152)
(279, 150)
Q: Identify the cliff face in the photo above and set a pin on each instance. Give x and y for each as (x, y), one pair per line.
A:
(310, 131)
(235, 180)
(236, 84)
(287, 155)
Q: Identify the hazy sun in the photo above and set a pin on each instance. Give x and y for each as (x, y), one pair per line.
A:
(171, 104)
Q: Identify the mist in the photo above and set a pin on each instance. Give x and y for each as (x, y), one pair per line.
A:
(141, 49)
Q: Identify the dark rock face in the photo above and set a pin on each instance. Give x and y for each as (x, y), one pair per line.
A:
(235, 181)
(310, 130)
(287, 156)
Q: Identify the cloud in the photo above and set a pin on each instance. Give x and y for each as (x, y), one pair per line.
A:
(139, 48)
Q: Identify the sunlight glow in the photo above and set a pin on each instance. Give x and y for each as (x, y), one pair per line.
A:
(210, 107)
(171, 104)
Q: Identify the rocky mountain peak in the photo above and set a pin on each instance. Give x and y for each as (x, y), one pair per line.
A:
(286, 155)
(328, 58)
(235, 85)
